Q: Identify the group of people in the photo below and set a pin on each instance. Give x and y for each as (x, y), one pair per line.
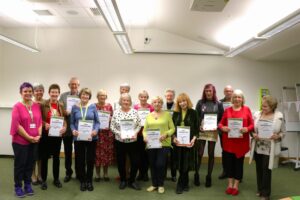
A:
(141, 136)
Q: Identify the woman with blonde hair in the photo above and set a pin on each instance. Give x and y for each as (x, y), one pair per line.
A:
(185, 116)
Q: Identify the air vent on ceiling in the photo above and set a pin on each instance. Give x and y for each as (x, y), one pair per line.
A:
(208, 5)
(43, 12)
(95, 11)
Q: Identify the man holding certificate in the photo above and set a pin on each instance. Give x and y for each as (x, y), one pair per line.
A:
(236, 124)
(266, 144)
(158, 130)
(85, 126)
(125, 124)
(210, 112)
(186, 121)
(144, 109)
(54, 126)
(69, 99)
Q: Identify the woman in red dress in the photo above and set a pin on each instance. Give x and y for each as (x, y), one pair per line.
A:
(105, 147)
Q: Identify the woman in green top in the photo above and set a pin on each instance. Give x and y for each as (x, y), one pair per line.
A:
(185, 154)
(158, 121)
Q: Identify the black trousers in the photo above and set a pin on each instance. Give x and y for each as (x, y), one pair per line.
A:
(233, 165)
(143, 156)
(68, 148)
(23, 163)
(157, 160)
(122, 150)
(86, 154)
(53, 145)
(263, 174)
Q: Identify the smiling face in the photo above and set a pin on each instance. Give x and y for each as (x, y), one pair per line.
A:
(169, 97)
(228, 93)
(38, 94)
(102, 98)
(157, 104)
(84, 97)
(143, 99)
(209, 93)
(26, 93)
(74, 86)
(124, 89)
(265, 107)
(54, 94)
(237, 100)
(125, 103)
(183, 104)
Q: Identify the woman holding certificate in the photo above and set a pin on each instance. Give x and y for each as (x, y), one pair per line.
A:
(26, 130)
(185, 119)
(85, 126)
(105, 144)
(143, 108)
(236, 124)
(54, 126)
(210, 112)
(125, 124)
(158, 130)
(265, 145)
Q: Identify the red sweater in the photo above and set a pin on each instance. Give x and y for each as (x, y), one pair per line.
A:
(238, 146)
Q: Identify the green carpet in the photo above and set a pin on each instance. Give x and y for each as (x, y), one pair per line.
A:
(285, 183)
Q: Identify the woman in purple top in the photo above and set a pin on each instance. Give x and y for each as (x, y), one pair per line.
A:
(26, 129)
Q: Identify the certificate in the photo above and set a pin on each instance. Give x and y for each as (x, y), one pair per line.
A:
(209, 136)
(210, 122)
(104, 119)
(56, 124)
(153, 136)
(183, 135)
(235, 125)
(143, 112)
(127, 129)
(265, 129)
(226, 105)
(85, 128)
(71, 101)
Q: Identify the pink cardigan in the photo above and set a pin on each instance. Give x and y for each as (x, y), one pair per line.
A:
(20, 116)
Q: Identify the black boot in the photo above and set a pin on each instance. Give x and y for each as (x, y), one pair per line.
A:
(196, 179)
(208, 181)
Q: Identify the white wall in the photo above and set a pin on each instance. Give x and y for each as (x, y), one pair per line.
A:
(94, 56)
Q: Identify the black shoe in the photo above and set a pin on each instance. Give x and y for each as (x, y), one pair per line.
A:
(139, 177)
(196, 179)
(44, 185)
(83, 186)
(208, 181)
(179, 189)
(57, 183)
(122, 185)
(67, 178)
(186, 188)
(173, 179)
(89, 186)
(223, 175)
(97, 179)
(134, 185)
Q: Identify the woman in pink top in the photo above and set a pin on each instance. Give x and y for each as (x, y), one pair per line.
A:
(143, 108)
(26, 129)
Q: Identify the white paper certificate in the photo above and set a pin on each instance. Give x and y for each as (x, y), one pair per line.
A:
(265, 129)
(56, 124)
(127, 129)
(210, 122)
(143, 112)
(71, 101)
(153, 136)
(104, 119)
(226, 105)
(183, 135)
(85, 128)
(235, 125)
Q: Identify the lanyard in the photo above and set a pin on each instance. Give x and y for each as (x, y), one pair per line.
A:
(29, 110)
(83, 115)
(53, 111)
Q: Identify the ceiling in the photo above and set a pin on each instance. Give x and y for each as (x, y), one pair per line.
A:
(169, 16)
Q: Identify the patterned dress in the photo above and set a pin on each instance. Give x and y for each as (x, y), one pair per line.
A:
(105, 144)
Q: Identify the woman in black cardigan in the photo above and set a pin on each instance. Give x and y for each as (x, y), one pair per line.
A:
(185, 154)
